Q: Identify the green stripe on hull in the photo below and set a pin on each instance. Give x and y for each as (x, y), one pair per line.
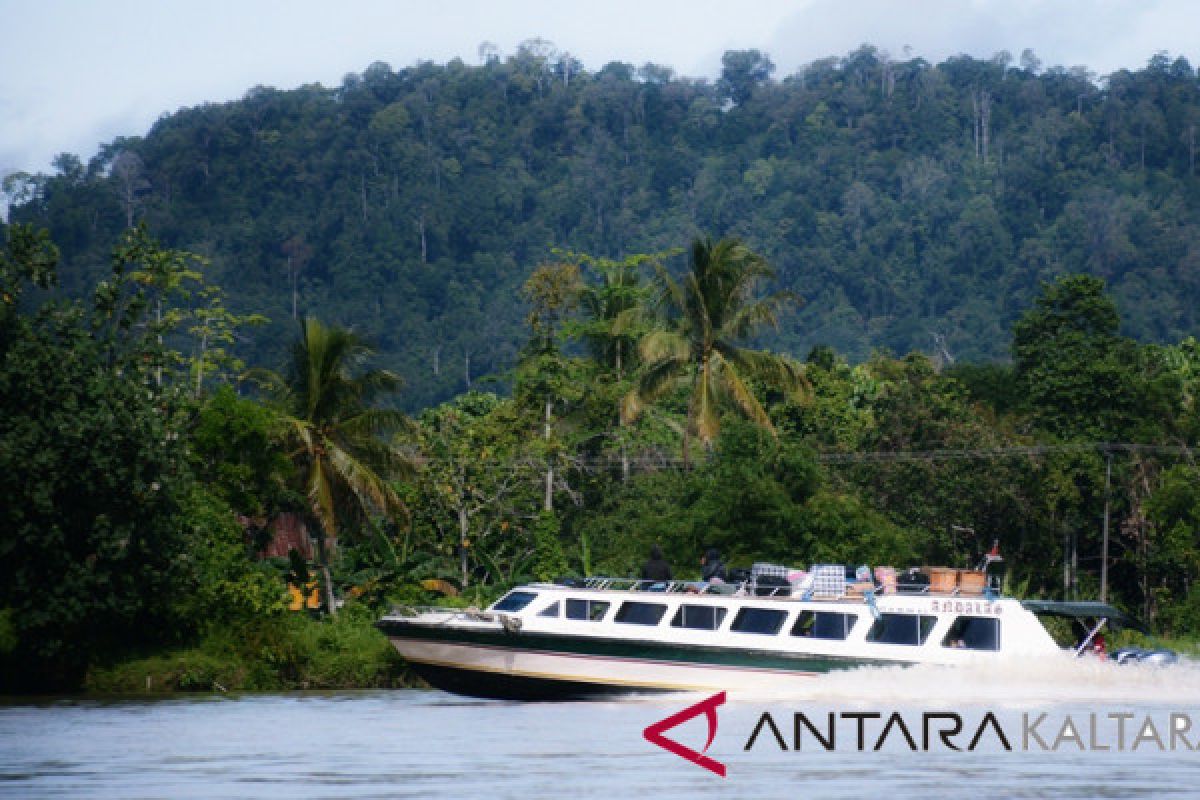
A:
(634, 650)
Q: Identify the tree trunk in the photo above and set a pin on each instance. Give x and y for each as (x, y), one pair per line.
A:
(1192, 150)
(326, 575)
(1066, 564)
(548, 501)
(200, 361)
(295, 295)
(362, 189)
(330, 601)
(1104, 547)
(463, 529)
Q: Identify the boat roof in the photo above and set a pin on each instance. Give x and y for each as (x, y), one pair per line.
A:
(1085, 609)
(750, 590)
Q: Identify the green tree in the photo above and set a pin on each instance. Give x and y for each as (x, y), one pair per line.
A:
(214, 328)
(1172, 559)
(28, 258)
(94, 476)
(616, 310)
(1076, 371)
(165, 280)
(233, 451)
(709, 309)
(742, 71)
(546, 377)
(335, 436)
(477, 489)
(615, 305)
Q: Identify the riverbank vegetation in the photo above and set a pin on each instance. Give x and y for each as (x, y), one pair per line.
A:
(142, 474)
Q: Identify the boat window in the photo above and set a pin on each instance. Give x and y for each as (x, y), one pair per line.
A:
(593, 610)
(640, 613)
(759, 620)
(701, 618)
(824, 624)
(911, 629)
(514, 601)
(550, 610)
(974, 633)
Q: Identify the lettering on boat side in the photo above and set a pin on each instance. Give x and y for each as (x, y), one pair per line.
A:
(958, 606)
(707, 707)
(950, 605)
(1118, 731)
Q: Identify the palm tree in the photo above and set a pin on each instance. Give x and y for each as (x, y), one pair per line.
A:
(614, 309)
(335, 436)
(708, 309)
(617, 312)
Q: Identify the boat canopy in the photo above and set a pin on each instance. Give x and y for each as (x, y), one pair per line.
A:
(1085, 610)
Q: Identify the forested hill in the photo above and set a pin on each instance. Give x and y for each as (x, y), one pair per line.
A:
(913, 206)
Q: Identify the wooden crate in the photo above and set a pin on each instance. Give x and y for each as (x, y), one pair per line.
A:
(942, 580)
(971, 581)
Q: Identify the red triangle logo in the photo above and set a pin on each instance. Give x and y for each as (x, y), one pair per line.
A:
(708, 707)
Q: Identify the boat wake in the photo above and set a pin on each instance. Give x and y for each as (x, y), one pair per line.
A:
(1006, 682)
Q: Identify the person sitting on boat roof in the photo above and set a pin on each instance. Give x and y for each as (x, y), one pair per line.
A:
(712, 567)
(656, 568)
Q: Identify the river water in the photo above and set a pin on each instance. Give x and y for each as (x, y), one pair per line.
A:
(1036, 733)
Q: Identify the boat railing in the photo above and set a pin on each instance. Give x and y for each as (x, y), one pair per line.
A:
(750, 587)
(636, 584)
(851, 592)
(448, 614)
(689, 587)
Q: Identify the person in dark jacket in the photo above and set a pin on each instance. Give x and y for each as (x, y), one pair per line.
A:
(712, 568)
(657, 568)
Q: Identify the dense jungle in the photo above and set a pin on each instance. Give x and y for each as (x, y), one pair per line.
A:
(472, 325)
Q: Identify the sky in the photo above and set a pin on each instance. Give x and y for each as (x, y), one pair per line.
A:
(75, 74)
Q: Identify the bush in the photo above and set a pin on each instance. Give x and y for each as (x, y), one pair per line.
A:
(270, 654)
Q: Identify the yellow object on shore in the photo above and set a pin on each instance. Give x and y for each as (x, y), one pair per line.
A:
(307, 598)
(439, 585)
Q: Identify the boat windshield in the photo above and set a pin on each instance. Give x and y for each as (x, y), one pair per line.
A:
(514, 601)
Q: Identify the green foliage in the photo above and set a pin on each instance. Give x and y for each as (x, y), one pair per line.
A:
(1075, 370)
(8, 633)
(413, 203)
(841, 529)
(742, 71)
(652, 507)
(615, 307)
(233, 453)
(477, 491)
(751, 497)
(269, 654)
(28, 258)
(124, 462)
(227, 588)
(1173, 555)
(339, 442)
(709, 309)
(94, 479)
(214, 329)
(549, 561)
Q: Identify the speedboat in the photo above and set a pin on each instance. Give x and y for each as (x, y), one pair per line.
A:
(601, 636)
